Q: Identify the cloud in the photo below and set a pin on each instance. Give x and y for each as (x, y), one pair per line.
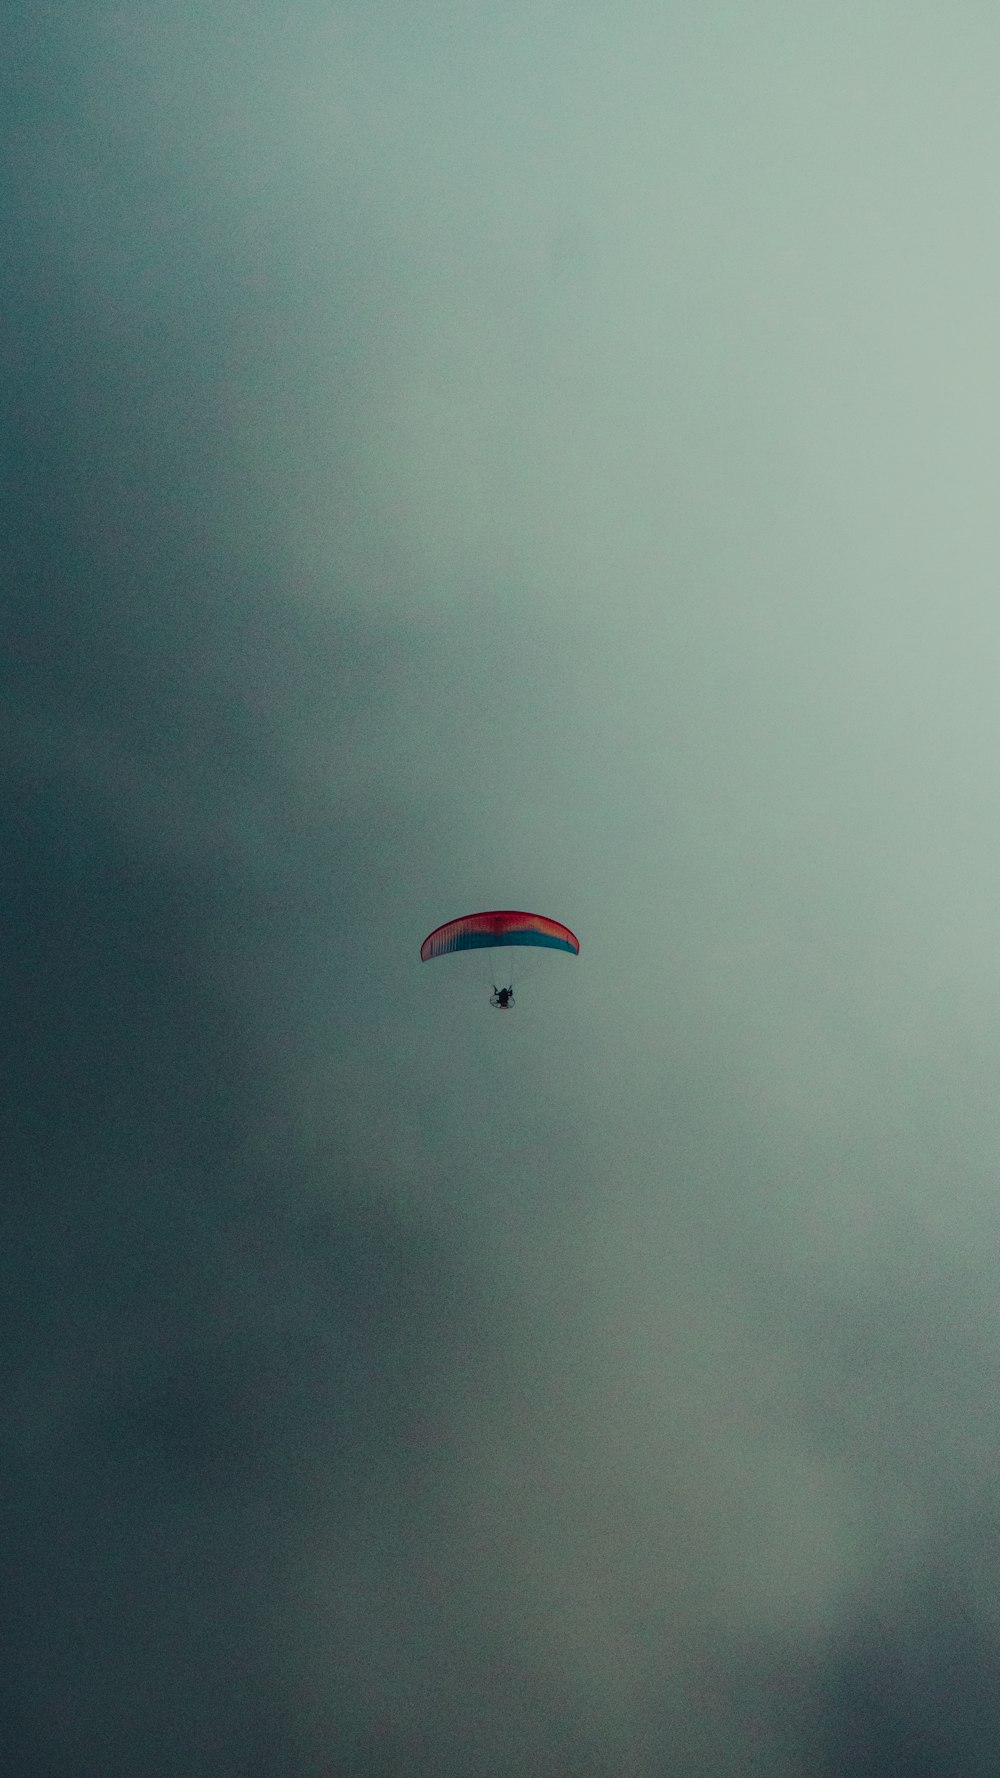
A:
(451, 459)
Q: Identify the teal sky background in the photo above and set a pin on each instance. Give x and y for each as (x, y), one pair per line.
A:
(539, 456)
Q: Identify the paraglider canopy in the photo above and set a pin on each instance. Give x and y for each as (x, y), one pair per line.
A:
(501, 926)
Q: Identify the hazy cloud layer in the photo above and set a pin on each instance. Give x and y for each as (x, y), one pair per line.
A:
(543, 457)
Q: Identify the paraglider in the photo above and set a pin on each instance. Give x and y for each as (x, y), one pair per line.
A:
(500, 926)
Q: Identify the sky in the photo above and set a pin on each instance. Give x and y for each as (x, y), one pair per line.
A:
(536, 456)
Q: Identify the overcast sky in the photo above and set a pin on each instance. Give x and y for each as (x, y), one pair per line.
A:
(539, 456)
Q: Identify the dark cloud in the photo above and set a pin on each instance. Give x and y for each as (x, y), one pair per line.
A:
(213, 1333)
(385, 1392)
